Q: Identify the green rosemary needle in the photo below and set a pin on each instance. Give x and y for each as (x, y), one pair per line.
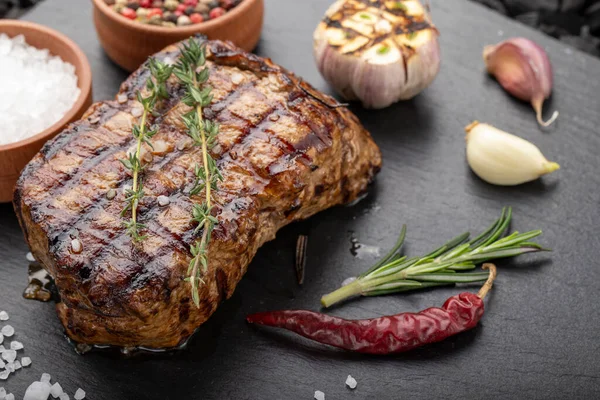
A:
(396, 273)
(156, 85)
(192, 74)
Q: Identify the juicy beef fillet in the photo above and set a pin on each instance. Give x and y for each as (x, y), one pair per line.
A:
(285, 152)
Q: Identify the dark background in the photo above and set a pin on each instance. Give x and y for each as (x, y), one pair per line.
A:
(574, 22)
(539, 337)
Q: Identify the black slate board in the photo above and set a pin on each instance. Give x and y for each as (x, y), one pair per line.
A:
(539, 338)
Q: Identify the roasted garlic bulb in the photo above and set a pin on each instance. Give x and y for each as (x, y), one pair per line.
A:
(378, 52)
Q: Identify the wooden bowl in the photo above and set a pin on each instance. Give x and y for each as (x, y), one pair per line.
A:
(129, 43)
(14, 156)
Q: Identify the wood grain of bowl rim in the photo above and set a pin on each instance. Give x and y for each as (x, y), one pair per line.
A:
(84, 81)
(177, 30)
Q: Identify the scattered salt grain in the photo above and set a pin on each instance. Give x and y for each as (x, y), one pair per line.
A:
(4, 375)
(14, 345)
(122, 98)
(45, 377)
(10, 396)
(137, 112)
(64, 396)
(37, 89)
(56, 390)
(25, 361)
(76, 246)
(79, 394)
(2, 392)
(4, 314)
(319, 395)
(351, 382)
(2, 365)
(29, 257)
(163, 200)
(7, 330)
(17, 365)
(10, 367)
(1, 340)
(9, 355)
(37, 391)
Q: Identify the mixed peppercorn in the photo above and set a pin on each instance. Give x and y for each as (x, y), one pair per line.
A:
(171, 13)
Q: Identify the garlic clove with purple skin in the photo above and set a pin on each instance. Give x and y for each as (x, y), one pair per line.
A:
(377, 53)
(523, 69)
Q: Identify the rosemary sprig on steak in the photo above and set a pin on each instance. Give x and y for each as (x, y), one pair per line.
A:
(193, 75)
(143, 133)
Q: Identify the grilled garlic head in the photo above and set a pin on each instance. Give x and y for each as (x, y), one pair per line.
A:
(378, 52)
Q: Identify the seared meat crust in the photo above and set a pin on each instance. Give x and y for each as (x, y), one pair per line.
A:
(285, 152)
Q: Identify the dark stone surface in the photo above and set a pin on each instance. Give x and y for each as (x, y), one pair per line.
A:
(539, 337)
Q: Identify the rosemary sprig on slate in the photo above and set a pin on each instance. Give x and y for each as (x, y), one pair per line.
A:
(142, 132)
(396, 273)
(192, 74)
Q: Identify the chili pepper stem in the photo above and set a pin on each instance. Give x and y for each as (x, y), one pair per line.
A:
(351, 289)
(490, 281)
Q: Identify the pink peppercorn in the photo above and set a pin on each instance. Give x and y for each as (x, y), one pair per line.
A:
(178, 13)
(181, 8)
(196, 18)
(193, 3)
(155, 11)
(146, 3)
(128, 13)
(216, 12)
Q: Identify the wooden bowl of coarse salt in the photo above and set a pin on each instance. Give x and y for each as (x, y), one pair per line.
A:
(46, 83)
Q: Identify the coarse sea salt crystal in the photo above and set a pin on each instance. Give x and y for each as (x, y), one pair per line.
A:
(56, 390)
(10, 396)
(2, 365)
(37, 89)
(351, 382)
(14, 345)
(4, 375)
(1, 340)
(7, 331)
(3, 316)
(64, 396)
(79, 394)
(45, 377)
(10, 367)
(37, 391)
(17, 365)
(319, 395)
(29, 257)
(9, 355)
(2, 392)
(25, 361)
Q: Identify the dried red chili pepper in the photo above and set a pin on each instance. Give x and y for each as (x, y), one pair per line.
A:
(385, 335)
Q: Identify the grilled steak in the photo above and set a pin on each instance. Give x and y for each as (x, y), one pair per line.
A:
(285, 152)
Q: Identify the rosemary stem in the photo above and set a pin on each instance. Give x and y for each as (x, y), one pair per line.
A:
(138, 150)
(351, 289)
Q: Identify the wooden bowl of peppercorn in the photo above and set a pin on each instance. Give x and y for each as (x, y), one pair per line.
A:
(131, 31)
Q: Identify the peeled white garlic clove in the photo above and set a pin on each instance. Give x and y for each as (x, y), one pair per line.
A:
(500, 158)
(377, 53)
(524, 70)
